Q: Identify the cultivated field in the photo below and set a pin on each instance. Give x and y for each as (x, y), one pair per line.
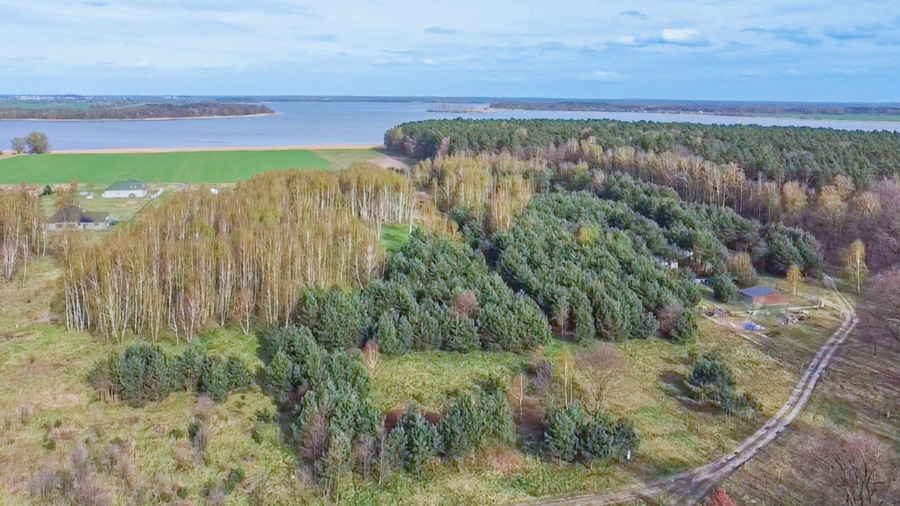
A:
(173, 167)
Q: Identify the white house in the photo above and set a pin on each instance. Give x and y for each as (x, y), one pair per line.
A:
(74, 217)
(129, 189)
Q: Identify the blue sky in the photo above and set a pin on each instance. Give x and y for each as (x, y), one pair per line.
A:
(823, 50)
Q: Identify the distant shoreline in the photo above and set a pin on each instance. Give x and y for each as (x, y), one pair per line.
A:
(139, 119)
(308, 147)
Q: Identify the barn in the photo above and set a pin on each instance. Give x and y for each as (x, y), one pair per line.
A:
(758, 296)
(128, 189)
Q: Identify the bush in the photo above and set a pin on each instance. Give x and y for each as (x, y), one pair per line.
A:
(723, 288)
(573, 434)
(142, 374)
(712, 381)
(459, 429)
(561, 438)
(685, 326)
(420, 440)
(139, 375)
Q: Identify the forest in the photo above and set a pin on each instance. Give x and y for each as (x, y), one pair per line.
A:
(698, 107)
(569, 257)
(809, 156)
(127, 110)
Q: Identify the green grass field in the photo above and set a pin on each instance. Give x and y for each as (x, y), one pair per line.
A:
(181, 167)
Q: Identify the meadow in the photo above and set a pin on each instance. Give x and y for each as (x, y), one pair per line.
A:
(171, 167)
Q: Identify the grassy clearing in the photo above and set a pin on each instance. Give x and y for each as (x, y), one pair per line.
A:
(674, 435)
(393, 237)
(47, 408)
(343, 158)
(102, 169)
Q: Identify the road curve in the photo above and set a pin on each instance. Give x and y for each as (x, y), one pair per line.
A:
(691, 486)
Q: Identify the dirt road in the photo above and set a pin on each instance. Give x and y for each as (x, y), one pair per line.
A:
(691, 486)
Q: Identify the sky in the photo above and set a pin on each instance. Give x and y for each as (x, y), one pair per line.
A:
(760, 50)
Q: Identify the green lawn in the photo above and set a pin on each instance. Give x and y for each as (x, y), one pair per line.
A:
(393, 237)
(181, 167)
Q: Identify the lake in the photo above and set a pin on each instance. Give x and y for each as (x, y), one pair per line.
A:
(320, 123)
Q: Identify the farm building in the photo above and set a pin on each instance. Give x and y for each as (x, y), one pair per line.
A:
(764, 296)
(77, 218)
(129, 189)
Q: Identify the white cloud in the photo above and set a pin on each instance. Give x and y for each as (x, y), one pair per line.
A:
(682, 36)
(671, 36)
(602, 75)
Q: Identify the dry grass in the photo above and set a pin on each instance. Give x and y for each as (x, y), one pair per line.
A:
(859, 393)
(44, 398)
(47, 408)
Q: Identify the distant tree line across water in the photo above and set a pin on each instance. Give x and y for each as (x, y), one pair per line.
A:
(713, 108)
(132, 111)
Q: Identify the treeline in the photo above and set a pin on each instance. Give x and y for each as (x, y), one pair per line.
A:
(811, 156)
(712, 108)
(23, 229)
(134, 111)
(201, 259)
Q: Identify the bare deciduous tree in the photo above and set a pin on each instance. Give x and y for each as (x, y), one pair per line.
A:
(861, 467)
(600, 371)
(465, 304)
(880, 309)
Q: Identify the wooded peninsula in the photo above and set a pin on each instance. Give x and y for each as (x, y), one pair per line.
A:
(127, 110)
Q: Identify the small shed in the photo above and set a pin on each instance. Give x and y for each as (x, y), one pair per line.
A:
(74, 217)
(758, 296)
(128, 189)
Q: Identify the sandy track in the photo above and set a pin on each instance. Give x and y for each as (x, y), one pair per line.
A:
(321, 147)
(691, 486)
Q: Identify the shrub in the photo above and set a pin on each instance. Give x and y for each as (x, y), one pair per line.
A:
(137, 376)
(741, 267)
(561, 437)
(420, 440)
(712, 381)
(142, 374)
(685, 326)
(723, 288)
(458, 427)
(573, 434)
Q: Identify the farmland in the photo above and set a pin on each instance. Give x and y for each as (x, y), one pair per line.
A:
(181, 167)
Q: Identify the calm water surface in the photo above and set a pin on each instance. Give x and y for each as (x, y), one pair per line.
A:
(312, 123)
